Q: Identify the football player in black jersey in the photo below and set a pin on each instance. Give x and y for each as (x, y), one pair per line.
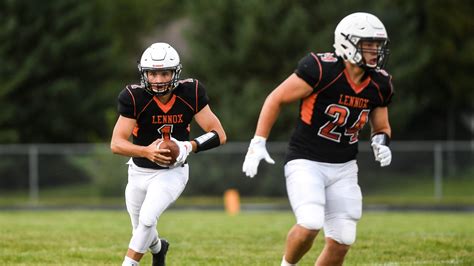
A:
(161, 106)
(339, 93)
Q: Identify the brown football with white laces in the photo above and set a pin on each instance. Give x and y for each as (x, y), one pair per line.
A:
(170, 145)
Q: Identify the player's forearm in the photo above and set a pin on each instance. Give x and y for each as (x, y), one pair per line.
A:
(268, 116)
(379, 121)
(126, 148)
(208, 122)
(217, 127)
(385, 130)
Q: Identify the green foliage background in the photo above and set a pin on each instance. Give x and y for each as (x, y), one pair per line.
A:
(49, 85)
(256, 45)
(62, 63)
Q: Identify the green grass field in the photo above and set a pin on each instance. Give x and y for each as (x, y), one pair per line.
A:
(214, 238)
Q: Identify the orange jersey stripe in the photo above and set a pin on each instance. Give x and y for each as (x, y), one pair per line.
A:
(378, 90)
(135, 131)
(197, 85)
(356, 88)
(165, 107)
(308, 103)
(320, 69)
(307, 107)
(189, 105)
(134, 104)
(144, 108)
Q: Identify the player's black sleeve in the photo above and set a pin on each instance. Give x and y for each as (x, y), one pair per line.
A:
(389, 92)
(202, 98)
(383, 81)
(126, 104)
(309, 70)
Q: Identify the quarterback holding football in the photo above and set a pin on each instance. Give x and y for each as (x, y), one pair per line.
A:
(158, 109)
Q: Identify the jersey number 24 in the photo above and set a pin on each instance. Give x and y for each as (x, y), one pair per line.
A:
(340, 114)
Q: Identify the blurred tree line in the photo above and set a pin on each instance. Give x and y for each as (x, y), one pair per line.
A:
(63, 62)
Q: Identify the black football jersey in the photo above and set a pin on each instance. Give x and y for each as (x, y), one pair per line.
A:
(155, 118)
(332, 116)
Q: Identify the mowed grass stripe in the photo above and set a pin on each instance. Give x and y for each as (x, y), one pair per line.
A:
(214, 238)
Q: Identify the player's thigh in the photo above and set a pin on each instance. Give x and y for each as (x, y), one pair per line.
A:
(344, 197)
(305, 187)
(161, 192)
(343, 208)
(135, 193)
(134, 198)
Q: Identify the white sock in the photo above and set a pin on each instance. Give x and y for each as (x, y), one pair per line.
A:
(286, 263)
(155, 246)
(129, 262)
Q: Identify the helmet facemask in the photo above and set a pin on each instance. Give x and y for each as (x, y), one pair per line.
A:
(382, 52)
(160, 88)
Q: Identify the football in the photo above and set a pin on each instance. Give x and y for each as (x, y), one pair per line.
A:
(170, 145)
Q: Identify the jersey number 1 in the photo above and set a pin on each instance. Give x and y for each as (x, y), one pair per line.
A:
(165, 131)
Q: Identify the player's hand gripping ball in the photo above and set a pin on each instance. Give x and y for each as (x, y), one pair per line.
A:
(170, 145)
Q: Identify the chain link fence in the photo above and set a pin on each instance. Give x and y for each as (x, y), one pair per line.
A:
(434, 170)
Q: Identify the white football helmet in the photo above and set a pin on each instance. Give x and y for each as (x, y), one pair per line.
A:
(358, 27)
(160, 56)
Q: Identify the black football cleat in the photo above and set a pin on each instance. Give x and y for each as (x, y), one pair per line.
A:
(159, 258)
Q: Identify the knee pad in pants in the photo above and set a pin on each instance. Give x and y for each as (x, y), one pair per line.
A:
(310, 216)
(342, 226)
(343, 231)
(142, 237)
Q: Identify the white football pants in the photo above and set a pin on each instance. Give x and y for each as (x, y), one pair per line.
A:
(147, 195)
(325, 195)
